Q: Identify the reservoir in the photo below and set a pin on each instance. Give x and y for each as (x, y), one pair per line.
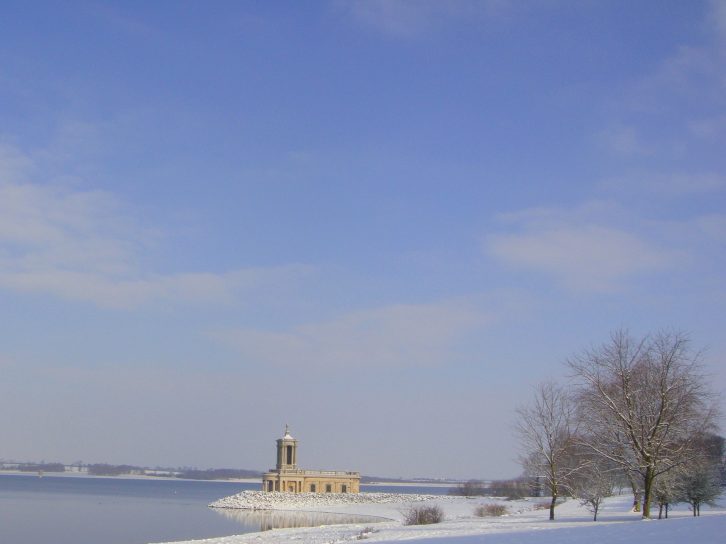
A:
(88, 510)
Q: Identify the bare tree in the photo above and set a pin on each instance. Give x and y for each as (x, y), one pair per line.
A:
(594, 482)
(699, 485)
(700, 481)
(643, 402)
(665, 492)
(545, 429)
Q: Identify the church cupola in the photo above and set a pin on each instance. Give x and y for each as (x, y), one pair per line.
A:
(286, 451)
(287, 478)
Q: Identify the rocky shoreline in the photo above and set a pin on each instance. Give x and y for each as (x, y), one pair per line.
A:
(260, 500)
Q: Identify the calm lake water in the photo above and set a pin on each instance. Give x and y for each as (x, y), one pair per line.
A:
(78, 510)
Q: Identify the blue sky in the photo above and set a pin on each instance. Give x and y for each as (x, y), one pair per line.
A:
(382, 222)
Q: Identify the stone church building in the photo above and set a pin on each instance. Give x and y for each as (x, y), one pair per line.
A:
(287, 477)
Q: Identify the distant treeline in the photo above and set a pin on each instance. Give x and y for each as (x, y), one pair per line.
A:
(420, 481)
(41, 467)
(102, 469)
(186, 473)
(511, 489)
(105, 469)
(217, 474)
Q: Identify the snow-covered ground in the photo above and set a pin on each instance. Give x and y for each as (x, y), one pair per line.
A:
(616, 523)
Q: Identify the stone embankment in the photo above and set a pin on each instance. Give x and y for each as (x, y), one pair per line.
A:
(259, 500)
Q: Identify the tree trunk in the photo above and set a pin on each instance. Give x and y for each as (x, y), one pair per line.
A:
(636, 493)
(552, 506)
(647, 491)
(666, 510)
(660, 511)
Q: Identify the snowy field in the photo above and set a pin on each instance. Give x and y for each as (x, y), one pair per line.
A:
(524, 522)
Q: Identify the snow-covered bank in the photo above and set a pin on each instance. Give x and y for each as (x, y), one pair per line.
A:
(524, 521)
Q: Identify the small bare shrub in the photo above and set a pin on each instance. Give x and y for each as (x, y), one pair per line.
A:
(365, 533)
(491, 510)
(423, 515)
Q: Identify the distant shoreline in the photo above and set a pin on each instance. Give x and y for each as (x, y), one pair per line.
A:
(381, 483)
(125, 477)
(412, 484)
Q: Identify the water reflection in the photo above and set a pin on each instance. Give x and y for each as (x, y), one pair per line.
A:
(287, 519)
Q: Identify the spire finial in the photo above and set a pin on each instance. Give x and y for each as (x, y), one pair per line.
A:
(287, 433)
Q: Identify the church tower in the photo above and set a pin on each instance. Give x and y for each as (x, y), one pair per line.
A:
(287, 477)
(286, 452)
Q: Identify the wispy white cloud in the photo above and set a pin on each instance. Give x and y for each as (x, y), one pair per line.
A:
(81, 244)
(689, 75)
(625, 140)
(13, 164)
(390, 336)
(407, 18)
(708, 127)
(120, 292)
(577, 248)
(712, 226)
(42, 225)
(119, 19)
(717, 17)
(668, 185)
(71, 140)
(678, 104)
